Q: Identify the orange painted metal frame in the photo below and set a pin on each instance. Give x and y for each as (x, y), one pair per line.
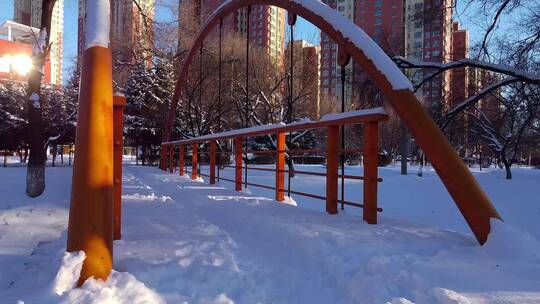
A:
(119, 102)
(194, 162)
(181, 156)
(212, 162)
(464, 189)
(91, 213)
(238, 163)
(332, 151)
(332, 163)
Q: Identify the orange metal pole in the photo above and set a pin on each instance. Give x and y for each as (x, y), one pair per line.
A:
(212, 162)
(90, 227)
(194, 162)
(181, 160)
(371, 134)
(163, 158)
(460, 183)
(280, 167)
(332, 163)
(238, 163)
(119, 102)
(171, 159)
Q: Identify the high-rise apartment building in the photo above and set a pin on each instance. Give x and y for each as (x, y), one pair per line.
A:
(430, 37)
(330, 70)
(382, 21)
(28, 12)
(132, 36)
(267, 24)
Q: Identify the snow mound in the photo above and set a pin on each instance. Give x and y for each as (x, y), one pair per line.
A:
(120, 287)
(400, 301)
(68, 275)
(506, 241)
(447, 296)
(151, 197)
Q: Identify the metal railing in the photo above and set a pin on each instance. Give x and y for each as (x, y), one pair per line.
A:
(331, 123)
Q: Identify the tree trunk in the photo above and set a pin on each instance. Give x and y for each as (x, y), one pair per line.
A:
(404, 149)
(54, 155)
(19, 152)
(290, 166)
(5, 159)
(507, 167)
(25, 155)
(35, 172)
(61, 154)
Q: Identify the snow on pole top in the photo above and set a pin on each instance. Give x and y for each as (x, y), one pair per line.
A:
(356, 36)
(98, 20)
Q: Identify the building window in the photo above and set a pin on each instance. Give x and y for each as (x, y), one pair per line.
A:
(436, 53)
(436, 33)
(418, 35)
(378, 12)
(341, 8)
(378, 21)
(435, 43)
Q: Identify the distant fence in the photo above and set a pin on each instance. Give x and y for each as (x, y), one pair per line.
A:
(332, 153)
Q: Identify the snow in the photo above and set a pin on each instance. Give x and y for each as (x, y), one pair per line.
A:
(305, 123)
(68, 275)
(356, 36)
(41, 42)
(210, 244)
(336, 116)
(97, 23)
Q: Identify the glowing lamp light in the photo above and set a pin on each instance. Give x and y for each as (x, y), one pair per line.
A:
(22, 64)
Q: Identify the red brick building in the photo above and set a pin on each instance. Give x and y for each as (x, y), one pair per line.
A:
(267, 24)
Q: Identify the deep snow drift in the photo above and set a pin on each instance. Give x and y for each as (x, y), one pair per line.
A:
(186, 241)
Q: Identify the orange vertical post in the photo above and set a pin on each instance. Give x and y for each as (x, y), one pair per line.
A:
(181, 160)
(212, 162)
(280, 167)
(163, 158)
(238, 163)
(119, 102)
(194, 162)
(90, 226)
(371, 134)
(332, 163)
(171, 159)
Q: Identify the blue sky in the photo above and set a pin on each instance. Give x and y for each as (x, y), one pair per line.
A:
(304, 29)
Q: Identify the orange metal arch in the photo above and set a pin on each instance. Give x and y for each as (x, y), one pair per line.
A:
(464, 189)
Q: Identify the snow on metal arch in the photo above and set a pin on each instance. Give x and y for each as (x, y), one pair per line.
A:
(466, 192)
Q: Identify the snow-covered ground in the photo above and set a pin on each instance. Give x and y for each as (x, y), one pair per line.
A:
(186, 241)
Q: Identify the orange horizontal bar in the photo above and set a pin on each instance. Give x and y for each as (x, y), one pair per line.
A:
(349, 118)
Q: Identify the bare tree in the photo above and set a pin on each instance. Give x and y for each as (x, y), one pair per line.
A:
(35, 175)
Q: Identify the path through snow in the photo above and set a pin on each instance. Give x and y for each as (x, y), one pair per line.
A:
(188, 241)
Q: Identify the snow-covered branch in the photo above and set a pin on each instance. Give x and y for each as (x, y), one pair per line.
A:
(523, 76)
